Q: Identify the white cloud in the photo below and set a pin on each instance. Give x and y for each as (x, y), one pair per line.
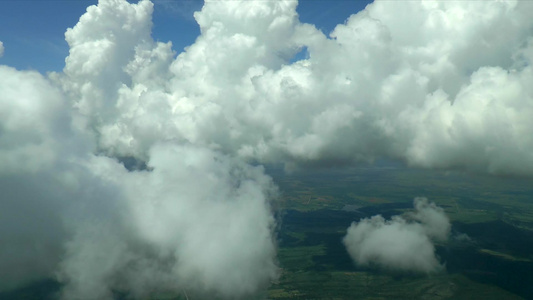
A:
(379, 87)
(449, 89)
(199, 222)
(196, 220)
(400, 244)
(36, 146)
(1, 49)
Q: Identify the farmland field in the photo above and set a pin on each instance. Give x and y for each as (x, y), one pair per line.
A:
(489, 255)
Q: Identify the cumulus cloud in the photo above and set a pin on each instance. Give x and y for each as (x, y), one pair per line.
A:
(403, 243)
(443, 91)
(194, 220)
(199, 221)
(35, 175)
(449, 89)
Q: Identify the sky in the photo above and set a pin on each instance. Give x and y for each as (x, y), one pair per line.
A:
(432, 84)
(34, 31)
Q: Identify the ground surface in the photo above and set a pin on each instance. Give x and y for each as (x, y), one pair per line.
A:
(494, 262)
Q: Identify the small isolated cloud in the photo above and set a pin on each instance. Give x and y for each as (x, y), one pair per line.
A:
(403, 243)
(1, 49)
(462, 238)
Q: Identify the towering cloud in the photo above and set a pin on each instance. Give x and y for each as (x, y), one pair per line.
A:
(195, 220)
(442, 91)
(400, 244)
(448, 89)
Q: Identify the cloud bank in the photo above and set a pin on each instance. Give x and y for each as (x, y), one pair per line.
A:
(449, 89)
(401, 243)
(195, 220)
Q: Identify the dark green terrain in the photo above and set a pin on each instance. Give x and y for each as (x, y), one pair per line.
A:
(489, 255)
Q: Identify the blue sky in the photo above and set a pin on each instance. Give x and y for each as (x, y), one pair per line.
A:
(33, 31)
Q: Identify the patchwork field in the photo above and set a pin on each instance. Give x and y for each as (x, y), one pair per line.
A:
(489, 255)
